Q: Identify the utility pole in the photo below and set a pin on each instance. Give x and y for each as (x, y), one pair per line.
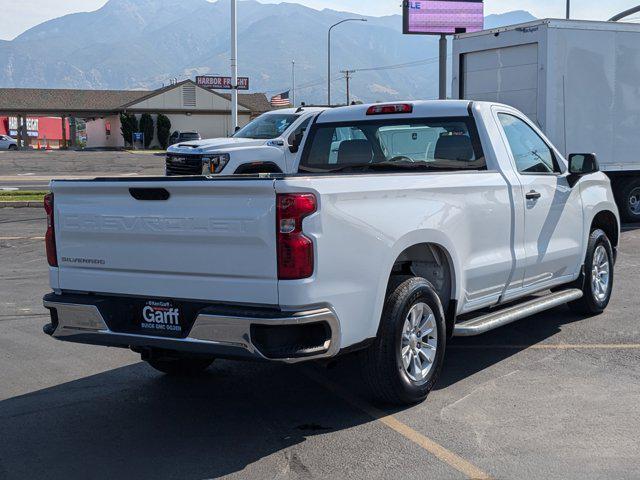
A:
(568, 9)
(443, 67)
(293, 81)
(234, 64)
(347, 76)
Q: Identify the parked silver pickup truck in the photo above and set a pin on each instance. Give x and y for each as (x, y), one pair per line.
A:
(405, 224)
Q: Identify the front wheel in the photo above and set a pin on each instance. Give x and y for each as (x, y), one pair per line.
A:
(13, 147)
(597, 284)
(403, 364)
(177, 365)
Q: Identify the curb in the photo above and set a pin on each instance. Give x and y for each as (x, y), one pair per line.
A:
(20, 204)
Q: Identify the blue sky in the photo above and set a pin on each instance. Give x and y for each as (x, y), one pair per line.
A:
(17, 16)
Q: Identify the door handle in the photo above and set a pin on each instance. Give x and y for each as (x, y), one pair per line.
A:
(533, 195)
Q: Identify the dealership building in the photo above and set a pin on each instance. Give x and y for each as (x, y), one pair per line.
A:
(188, 107)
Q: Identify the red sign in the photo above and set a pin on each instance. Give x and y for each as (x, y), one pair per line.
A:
(221, 83)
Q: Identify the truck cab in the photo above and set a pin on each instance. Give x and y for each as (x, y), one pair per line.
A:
(268, 144)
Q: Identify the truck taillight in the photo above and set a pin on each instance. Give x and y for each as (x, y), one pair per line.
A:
(50, 237)
(295, 250)
(390, 109)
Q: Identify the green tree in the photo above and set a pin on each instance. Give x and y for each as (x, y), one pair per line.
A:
(129, 125)
(147, 128)
(164, 130)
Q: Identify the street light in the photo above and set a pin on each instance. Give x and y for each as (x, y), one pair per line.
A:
(329, 56)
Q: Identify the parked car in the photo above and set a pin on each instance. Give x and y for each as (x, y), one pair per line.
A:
(268, 144)
(433, 219)
(557, 73)
(8, 143)
(182, 137)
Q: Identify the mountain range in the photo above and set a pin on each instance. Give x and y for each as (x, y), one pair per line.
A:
(143, 44)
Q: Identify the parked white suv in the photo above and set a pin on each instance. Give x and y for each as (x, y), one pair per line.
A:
(8, 143)
(403, 225)
(268, 144)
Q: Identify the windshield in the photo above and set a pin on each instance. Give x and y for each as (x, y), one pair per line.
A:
(267, 126)
(450, 144)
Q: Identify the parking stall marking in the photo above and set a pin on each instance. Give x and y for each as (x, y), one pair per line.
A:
(6, 239)
(558, 346)
(453, 460)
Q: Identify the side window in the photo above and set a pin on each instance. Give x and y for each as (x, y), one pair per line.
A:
(532, 155)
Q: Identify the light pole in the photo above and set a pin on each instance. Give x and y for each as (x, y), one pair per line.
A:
(568, 9)
(234, 65)
(329, 53)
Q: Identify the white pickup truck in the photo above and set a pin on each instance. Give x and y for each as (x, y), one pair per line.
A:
(405, 224)
(268, 144)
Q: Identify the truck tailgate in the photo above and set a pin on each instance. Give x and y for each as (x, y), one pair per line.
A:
(211, 240)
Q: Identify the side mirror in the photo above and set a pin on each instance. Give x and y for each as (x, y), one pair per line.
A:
(295, 141)
(581, 164)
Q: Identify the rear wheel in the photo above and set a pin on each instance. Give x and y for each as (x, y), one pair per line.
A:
(403, 364)
(630, 201)
(179, 365)
(597, 283)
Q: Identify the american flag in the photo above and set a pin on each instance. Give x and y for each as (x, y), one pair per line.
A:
(281, 100)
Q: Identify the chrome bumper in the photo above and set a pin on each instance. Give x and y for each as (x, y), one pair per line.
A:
(216, 335)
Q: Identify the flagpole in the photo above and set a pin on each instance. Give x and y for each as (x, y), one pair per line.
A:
(293, 81)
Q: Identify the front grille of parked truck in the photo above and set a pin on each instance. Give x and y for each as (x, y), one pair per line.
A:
(184, 165)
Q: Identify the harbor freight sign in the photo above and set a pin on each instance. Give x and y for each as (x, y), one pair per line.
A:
(443, 17)
(221, 83)
(32, 126)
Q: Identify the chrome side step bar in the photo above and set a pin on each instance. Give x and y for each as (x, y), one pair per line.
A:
(493, 320)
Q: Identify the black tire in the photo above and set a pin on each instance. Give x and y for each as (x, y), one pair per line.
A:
(630, 190)
(13, 147)
(590, 304)
(180, 365)
(382, 364)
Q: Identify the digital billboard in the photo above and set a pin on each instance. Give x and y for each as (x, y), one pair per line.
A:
(437, 17)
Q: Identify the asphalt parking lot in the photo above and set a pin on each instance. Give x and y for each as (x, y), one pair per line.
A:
(553, 397)
(32, 170)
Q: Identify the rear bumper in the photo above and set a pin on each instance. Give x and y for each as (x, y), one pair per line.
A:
(259, 335)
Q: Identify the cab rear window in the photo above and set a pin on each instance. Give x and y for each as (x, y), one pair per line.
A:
(429, 144)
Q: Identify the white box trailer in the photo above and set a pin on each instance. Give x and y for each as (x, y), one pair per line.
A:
(578, 80)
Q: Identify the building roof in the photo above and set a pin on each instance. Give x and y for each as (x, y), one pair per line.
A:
(256, 102)
(39, 101)
(44, 100)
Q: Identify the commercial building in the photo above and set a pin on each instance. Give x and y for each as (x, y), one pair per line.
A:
(188, 107)
(42, 132)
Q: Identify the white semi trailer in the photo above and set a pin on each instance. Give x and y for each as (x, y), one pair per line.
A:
(578, 80)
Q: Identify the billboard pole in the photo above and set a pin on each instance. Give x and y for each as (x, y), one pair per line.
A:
(443, 67)
(234, 65)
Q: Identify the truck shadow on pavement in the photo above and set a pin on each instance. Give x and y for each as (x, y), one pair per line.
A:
(134, 423)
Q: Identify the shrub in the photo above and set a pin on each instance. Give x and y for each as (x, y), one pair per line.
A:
(147, 128)
(164, 130)
(129, 126)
